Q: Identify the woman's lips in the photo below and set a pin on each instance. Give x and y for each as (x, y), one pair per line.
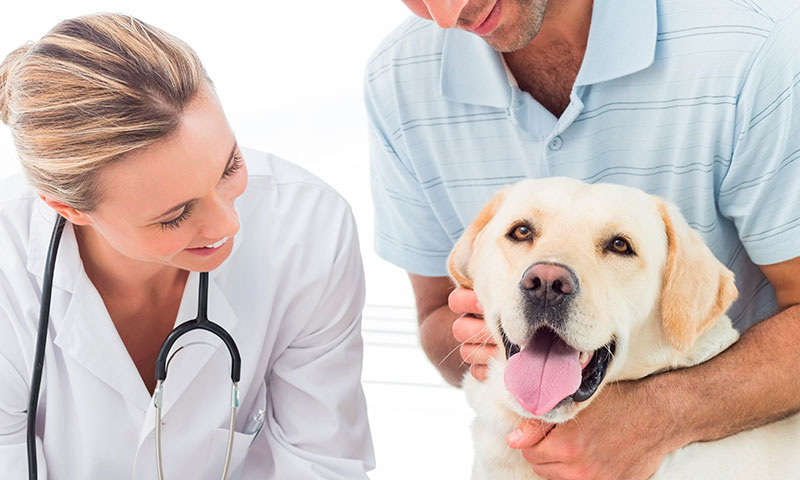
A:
(209, 249)
(490, 22)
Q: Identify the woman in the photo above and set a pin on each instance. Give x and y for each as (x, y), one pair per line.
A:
(119, 130)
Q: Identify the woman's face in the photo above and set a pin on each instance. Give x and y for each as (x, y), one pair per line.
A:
(169, 202)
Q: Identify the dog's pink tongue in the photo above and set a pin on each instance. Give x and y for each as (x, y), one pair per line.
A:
(545, 372)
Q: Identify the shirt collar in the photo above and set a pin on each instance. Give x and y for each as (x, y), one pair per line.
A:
(472, 72)
(622, 39)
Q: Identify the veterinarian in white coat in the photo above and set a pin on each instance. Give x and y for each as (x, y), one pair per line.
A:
(286, 281)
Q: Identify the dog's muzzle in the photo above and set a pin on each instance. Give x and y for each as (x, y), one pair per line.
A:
(591, 375)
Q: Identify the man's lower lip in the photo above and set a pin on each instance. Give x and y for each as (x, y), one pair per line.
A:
(491, 21)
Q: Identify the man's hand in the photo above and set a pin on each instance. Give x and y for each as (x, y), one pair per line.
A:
(621, 435)
(477, 344)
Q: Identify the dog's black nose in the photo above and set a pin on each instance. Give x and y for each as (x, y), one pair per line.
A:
(548, 284)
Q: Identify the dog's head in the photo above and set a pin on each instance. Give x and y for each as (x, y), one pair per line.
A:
(585, 284)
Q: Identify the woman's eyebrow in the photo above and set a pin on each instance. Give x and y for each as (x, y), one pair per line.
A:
(183, 204)
(173, 209)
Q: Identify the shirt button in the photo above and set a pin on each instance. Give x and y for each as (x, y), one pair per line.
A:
(556, 143)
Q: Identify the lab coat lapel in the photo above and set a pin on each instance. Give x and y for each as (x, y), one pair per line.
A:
(199, 347)
(79, 321)
(87, 334)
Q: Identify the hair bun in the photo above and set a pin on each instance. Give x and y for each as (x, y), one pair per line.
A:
(8, 66)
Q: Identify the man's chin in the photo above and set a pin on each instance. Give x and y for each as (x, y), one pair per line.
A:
(503, 43)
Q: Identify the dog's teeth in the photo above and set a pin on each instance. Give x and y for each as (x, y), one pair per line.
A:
(583, 357)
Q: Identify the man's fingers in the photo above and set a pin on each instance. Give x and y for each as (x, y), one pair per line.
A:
(528, 434)
(471, 330)
(463, 300)
(480, 372)
(477, 354)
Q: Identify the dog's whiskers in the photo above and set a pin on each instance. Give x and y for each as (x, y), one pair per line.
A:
(482, 345)
(457, 347)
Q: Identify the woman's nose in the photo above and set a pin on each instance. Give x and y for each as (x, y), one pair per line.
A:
(221, 219)
(445, 12)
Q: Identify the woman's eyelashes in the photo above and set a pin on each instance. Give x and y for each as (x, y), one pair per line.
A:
(234, 166)
(176, 222)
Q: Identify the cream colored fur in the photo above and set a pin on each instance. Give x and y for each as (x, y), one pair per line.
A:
(664, 307)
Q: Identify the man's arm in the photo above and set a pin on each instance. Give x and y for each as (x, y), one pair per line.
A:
(752, 383)
(761, 368)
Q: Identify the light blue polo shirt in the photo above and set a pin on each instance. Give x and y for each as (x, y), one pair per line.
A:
(695, 101)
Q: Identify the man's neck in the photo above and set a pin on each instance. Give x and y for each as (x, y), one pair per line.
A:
(547, 67)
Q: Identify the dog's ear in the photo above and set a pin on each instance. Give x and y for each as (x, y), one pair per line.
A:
(458, 263)
(697, 287)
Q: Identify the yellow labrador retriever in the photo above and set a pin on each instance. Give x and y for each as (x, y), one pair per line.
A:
(584, 285)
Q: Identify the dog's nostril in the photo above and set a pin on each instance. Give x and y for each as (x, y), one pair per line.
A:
(563, 287)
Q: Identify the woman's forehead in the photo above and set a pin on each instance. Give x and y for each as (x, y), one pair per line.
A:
(183, 166)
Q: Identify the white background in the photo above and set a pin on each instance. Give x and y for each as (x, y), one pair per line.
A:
(289, 75)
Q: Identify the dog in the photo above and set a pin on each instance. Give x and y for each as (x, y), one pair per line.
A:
(583, 285)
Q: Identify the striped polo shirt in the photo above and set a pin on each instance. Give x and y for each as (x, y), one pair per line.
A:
(695, 101)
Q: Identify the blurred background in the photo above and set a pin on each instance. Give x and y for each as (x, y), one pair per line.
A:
(289, 76)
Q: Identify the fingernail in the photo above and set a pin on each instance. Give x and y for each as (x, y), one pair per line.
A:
(514, 437)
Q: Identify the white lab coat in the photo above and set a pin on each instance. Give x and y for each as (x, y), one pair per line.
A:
(290, 294)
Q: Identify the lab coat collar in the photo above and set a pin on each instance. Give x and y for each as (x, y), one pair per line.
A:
(622, 40)
(68, 261)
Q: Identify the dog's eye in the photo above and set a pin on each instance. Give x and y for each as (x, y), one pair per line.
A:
(521, 233)
(620, 245)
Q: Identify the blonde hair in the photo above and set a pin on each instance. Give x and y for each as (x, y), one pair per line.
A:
(91, 90)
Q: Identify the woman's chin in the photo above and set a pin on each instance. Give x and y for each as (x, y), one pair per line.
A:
(204, 259)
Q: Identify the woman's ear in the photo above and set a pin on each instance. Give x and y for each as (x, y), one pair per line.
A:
(697, 287)
(458, 263)
(73, 216)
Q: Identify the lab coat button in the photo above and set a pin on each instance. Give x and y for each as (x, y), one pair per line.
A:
(556, 143)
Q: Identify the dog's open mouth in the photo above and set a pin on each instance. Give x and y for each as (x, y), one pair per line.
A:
(547, 370)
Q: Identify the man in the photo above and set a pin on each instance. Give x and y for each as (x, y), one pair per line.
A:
(695, 101)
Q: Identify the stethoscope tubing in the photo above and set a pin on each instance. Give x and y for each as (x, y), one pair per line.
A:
(201, 322)
(41, 344)
(162, 361)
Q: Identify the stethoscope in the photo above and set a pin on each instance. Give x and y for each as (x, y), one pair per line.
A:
(201, 322)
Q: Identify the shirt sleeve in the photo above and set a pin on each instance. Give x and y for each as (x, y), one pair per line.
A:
(761, 190)
(407, 231)
(317, 424)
